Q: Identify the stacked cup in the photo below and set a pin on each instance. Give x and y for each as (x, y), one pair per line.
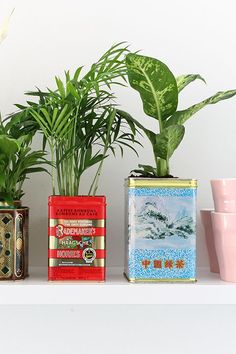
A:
(224, 226)
(210, 241)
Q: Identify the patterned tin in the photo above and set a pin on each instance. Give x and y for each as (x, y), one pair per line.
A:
(13, 243)
(77, 234)
(160, 230)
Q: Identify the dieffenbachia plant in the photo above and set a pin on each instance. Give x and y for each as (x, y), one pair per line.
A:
(159, 91)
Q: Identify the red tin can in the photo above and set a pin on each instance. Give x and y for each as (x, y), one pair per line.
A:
(77, 234)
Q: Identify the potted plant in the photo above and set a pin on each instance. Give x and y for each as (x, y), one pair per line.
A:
(81, 125)
(161, 210)
(17, 161)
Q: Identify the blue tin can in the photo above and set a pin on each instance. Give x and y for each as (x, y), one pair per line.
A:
(160, 229)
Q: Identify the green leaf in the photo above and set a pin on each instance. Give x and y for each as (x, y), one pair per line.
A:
(180, 117)
(41, 122)
(168, 141)
(54, 115)
(23, 140)
(148, 168)
(184, 80)
(47, 116)
(61, 119)
(35, 169)
(2, 179)
(73, 90)
(77, 73)
(7, 197)
(151, 136)
(67, 75)
(61, 87)
(88, 156)
(155, 83)
(143, 173)
(95, 159)
(8, 146)
(111, 118)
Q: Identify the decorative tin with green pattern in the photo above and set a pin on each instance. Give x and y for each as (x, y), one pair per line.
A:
(13, 243)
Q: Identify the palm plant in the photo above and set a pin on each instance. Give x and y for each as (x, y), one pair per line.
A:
(80, 121)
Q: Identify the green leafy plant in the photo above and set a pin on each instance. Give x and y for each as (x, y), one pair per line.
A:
(17, 161)
(159, 91)
(80, 121)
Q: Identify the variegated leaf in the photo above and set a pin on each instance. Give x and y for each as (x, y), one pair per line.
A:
(168, 141)
(180, 117)
(184, 80)
(155, 83)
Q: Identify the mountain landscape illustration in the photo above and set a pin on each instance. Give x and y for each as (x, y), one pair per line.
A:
(156, 224)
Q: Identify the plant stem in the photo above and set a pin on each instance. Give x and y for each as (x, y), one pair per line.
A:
(73, 157)
(160, 163)
(94, 186)
(163, 168)
(58, 171)
(157, 163)
(53, 167)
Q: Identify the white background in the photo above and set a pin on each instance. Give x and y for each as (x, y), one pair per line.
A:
(47, 37)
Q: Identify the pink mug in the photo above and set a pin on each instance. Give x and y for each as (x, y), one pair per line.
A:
(210, 242)
(224, 194)
(224, 228)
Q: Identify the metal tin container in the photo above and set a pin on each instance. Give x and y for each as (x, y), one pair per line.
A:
(13, 242)
(160, 229)
(77, 230)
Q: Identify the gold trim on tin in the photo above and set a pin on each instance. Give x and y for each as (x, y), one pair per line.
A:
(161, 182)
(78, 223)
(16, 204)
(98, 242)
(163, 280)
(72, 262)
(18, 266)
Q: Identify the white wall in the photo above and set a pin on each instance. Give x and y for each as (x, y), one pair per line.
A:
(47, 37)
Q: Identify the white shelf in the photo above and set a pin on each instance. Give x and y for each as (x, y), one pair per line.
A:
(116, 290)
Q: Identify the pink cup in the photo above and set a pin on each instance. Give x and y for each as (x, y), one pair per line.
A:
(224, 194)
(224, 228)
(210, 242)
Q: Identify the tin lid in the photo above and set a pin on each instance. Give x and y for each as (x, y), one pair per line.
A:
(75, 200)
(17, 204)
(160, 182)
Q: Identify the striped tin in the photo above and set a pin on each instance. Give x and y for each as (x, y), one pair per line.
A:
(77, 238)
(160, 230)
